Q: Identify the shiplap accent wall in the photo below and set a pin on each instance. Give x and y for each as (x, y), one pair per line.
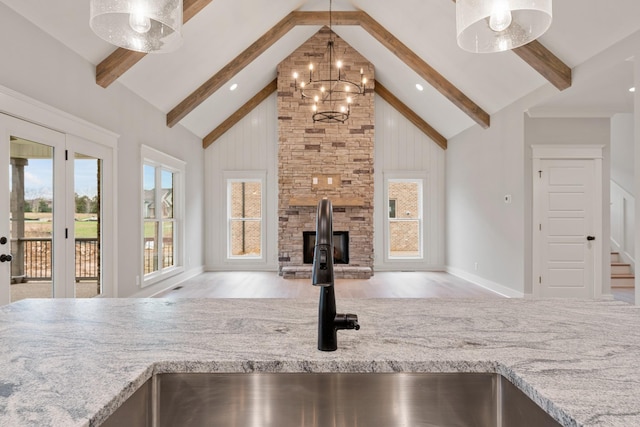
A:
(400, 149)
(252, 145)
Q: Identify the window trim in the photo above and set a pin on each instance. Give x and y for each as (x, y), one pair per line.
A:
(152, 157)
(245, 176)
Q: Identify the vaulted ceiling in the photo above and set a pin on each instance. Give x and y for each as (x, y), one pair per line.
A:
(408, 41)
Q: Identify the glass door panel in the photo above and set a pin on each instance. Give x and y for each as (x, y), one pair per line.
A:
(31, 219)
(87, 225)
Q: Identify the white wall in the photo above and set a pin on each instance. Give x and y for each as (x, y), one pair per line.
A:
(622, 149)
(623, 223)
(40, 67)
(400, 147)
(485, 235)
(250, 145)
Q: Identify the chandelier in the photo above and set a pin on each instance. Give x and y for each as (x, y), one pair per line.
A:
(151, 26)
(496, 25)
(328, 87)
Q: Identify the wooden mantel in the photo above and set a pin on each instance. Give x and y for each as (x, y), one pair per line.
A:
(337, 201)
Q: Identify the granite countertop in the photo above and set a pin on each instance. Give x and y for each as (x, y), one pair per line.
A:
(72, 362)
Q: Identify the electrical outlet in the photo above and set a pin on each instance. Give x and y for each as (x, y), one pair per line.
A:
(475, 266)
(507, 198)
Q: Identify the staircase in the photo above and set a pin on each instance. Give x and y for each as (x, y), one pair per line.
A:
(621, 274)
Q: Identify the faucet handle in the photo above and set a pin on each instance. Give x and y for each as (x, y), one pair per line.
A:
(347, 321)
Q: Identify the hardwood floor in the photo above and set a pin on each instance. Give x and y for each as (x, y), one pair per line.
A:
(627, 295)
(382, 285)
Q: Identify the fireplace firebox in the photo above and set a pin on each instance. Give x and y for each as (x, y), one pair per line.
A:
(340, 246)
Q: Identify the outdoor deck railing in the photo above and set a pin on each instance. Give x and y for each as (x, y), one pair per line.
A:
(37, 260)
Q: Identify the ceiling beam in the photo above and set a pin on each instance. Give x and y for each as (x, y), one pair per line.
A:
(321, 18)
(240, 114)
(425, 71)
(121, 60)
(410, 115)
(546, 63)
(209, 87)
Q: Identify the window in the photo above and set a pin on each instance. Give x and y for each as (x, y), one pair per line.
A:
(162, 207)
(245, 216)
(392, 208)
(404, 223)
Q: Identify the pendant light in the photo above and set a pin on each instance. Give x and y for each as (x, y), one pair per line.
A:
(151, 26)
(496, 25)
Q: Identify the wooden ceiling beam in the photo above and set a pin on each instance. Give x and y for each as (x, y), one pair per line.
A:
(407, 112)
(321, 18)
(240, 114)
(546, 63)
(121, 60)
(209, 87)
(425, 71)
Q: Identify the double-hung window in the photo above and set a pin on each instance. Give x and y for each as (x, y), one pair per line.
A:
(404, 219)
(162, 210)
(245, 215)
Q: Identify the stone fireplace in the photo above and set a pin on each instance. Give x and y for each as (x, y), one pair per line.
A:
(340, 247)
(317, 160)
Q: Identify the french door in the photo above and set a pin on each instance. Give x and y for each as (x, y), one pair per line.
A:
(51, 209)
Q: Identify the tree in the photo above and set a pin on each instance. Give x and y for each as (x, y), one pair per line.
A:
(94, 205)
(82, 203)
(43, 206)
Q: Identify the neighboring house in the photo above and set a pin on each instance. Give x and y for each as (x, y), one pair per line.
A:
(166, 203)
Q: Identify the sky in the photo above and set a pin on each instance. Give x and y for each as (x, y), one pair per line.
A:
(38, 177)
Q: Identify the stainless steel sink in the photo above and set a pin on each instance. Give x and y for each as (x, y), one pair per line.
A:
(329, 399)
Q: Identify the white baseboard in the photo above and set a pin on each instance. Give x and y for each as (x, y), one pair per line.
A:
(487, 284)
(171, 282)
(408, 267)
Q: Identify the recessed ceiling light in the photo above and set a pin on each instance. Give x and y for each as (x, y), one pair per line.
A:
(234, 86)
(419, 87)
(632, 89)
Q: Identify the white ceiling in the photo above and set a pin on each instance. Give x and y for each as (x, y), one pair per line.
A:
(581, 29)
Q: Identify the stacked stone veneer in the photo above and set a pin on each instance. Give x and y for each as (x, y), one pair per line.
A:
(308, 149)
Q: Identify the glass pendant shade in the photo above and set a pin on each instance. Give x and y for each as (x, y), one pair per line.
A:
(140, 25)
(496, 25)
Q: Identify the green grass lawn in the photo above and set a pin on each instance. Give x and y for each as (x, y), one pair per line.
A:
(86, 229)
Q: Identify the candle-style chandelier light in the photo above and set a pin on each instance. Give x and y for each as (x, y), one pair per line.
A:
(328, 87)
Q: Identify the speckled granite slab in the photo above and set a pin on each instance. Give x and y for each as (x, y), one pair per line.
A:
(72, 362)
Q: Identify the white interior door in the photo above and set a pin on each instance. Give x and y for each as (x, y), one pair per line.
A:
(567, 233)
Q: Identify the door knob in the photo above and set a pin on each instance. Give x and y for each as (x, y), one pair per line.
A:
(591, 238)
(5, 258)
